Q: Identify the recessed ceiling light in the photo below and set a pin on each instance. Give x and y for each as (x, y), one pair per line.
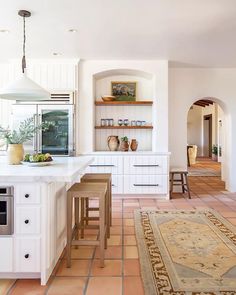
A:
(4, 31)
(57, 53)
(72, 31)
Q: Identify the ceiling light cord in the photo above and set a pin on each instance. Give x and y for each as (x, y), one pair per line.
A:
(24, 40)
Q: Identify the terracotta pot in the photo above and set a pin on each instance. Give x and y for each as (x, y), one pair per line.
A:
(15, 154)
(124, 146)
(113, 142)
(134, 145)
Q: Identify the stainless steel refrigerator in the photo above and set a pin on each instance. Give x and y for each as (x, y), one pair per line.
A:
(58, 138)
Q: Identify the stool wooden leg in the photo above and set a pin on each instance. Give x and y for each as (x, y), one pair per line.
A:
(86, 210)
(77, 220)
(82, 219)
(102, 229)
(108, 213)
(182, 182)
(186, 180)
(69, 228)
(171, 184)
(110, 198)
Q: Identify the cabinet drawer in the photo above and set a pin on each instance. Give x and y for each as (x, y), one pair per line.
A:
(117, 184)
(6, 250)
(146, 184)
(28, 194)
(27, 255)
(145, 165)
(107, 164)
(27, 220)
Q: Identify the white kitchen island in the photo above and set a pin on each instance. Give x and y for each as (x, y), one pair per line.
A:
(39, 216)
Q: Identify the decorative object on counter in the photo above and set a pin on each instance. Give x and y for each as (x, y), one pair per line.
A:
(108, 97)
(134, 145)
(16, 138)
(124, 91)
(113, 143)
(126, 122)
(24, 89)
(37, 160)
(124, 144)
(120, 122)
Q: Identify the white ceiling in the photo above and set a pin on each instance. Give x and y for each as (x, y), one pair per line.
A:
(186, 32)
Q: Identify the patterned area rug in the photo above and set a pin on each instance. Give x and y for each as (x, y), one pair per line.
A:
(186, 252)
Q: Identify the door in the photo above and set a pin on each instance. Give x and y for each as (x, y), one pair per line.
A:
(20, 113)
(57, 139)
(207, 136)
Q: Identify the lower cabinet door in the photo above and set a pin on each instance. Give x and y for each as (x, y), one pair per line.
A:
(27, 255)
(6, 250)
(145, 184)
(117, 184)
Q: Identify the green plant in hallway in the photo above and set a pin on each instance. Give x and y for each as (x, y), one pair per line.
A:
(214, 152)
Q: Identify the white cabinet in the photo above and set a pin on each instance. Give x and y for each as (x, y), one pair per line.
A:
(27, 194)
(145, 165)
(27, 254)
(6, 250)
(27, 220)
(134, 173)
(145, 184)
(107, 164)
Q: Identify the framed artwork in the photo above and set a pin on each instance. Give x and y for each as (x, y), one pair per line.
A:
(124, 91)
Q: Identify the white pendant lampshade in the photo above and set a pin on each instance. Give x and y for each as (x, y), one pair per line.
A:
(24, 89)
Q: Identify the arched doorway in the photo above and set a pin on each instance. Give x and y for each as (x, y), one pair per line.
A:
(206, 138)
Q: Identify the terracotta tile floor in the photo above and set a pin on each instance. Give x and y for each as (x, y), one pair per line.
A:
(121, 276)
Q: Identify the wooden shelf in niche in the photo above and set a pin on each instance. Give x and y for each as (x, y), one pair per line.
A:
(124, 127)
(124, 103)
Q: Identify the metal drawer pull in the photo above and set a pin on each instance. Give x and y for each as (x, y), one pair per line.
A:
(113, 185)
(154, 165)
(26, 221)
(145, 184)
(26, 196)
(26, 256)
(102, 165)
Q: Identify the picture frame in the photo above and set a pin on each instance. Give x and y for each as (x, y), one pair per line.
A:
(124, 90)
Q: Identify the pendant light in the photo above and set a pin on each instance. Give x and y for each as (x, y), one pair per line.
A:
(24, 89)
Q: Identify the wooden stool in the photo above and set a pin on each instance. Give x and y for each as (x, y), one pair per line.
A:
(183, 180)
(77, 194)
(100, 178)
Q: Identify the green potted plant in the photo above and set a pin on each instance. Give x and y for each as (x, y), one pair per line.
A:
(124, 144)
(16, 138)
(214, 152)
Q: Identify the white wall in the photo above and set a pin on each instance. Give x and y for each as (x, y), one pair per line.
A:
(194, 125)
(88, 69)
(187, 85)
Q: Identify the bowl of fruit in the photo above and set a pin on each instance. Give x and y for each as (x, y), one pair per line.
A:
(37, 160)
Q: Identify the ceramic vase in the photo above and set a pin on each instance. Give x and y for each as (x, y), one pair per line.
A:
(134, 145)
(15, 154)
(113, 143)
(124, 146)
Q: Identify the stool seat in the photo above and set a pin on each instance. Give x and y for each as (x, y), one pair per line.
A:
(182, 181)
(100, 178)
(90, 189)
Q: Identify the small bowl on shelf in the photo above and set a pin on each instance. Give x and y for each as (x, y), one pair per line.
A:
(108, 97)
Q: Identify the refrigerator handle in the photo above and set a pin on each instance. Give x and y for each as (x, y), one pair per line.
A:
(35, 139)
(40, 134)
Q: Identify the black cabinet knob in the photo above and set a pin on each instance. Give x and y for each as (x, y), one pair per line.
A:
(26, 256)
(26, 196)
(26, 221)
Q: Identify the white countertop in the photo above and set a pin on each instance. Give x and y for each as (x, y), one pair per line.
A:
(62, 169)
(129, 153)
